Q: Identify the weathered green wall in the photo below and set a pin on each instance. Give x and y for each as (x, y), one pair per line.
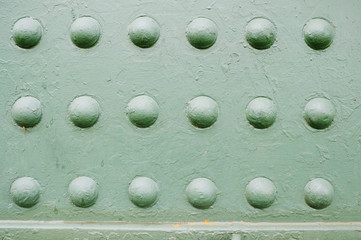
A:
(173, 152)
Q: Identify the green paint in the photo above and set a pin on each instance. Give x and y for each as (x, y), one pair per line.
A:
(27, 32)
(143, 192)
(260, 192)
(83, 192)
(84, 111)
(142, 111)
(260, 33)
(25, 192)
(319, 113)
(318, 193)
(26, 111)
(201, 193)
(171, 148)
(261, 112)
(202, 111)
(85, 32)
(318, 33)
(202, 33)
(144, 32)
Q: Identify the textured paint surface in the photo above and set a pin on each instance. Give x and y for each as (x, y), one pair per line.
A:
(201, 193)
(260, 192)
(318, 33)
(25, 192)
(172, 151)
(27, 32)
(202, 111)
(202, 33)
(260, 33)
(83, 192)
(26, 111)
(142, 111)
(144, 32)
(84, 111)
(85, 32)
(143, 192)
(261, 112)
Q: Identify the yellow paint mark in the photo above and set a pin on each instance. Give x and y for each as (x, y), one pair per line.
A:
(205, 222)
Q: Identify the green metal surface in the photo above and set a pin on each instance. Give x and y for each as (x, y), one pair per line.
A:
(140, 117)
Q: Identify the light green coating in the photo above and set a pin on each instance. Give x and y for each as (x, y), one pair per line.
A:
(319, 113)
(260, 33)
(202, 33)
(83, 192)
(85, 32)
(84, 111)
(25, 192)
(142, 111)
(260, 192)
(318, 33)
(261, 112)
(172, 151)
(202, 111)
(26, 111)
(318, 193)
(143, 192)
(27, 32)
(144, 32)
(201, 193)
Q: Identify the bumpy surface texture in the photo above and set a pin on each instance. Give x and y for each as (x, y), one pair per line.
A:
(168, 148)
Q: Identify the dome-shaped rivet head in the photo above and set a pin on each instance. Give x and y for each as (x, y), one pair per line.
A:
(83, 192)
(318, 33)
(85, 32)
(318, 193)
(25, 192)
(261, 112)
(27, 32)
(201, 193)
(202, 111)
(143, 192)
(260, 33)
(202, 33)
(319, 113)
(260, 192)
(142, 111)
(144, 32)
(84, 111)
(26, 111)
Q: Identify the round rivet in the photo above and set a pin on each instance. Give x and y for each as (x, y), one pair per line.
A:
(85, 32)
(201, 193)
(84, 111)
(202, 33)
(143, 192)
(25, 192)
(318, 33)
(260, 192)
(260, 33)
(83, 192)
(319, 113)
(27, 32)
(202, 111)
(144, 32)
(142, 111)
(318, 193)
(261, 112)
(26, 112)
